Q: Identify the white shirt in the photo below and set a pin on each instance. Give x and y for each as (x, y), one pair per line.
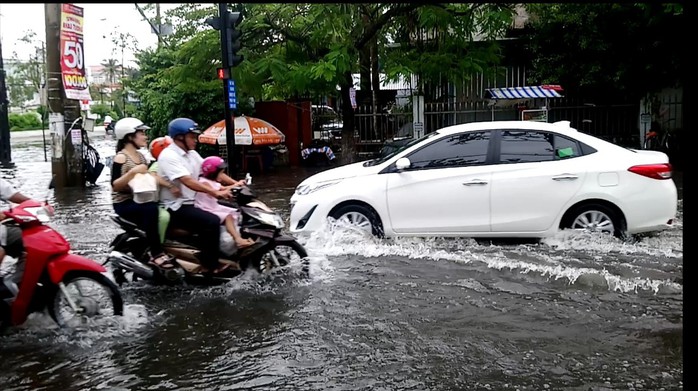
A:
(107, 119)
(174, 163)
(6, 190)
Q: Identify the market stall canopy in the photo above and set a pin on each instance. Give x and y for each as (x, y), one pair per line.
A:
(248, 131)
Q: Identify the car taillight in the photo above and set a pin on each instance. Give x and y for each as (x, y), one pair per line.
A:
(654, 171)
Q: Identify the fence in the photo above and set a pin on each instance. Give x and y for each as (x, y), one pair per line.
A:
(617, 123)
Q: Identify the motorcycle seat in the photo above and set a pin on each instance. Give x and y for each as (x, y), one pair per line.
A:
(178, 233)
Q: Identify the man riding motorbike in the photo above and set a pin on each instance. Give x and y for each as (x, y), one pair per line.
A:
(180, 164)
(11, 242)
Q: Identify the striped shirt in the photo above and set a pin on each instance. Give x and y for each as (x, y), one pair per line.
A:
(121, 169)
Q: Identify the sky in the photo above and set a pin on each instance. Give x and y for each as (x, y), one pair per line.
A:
(99, 21)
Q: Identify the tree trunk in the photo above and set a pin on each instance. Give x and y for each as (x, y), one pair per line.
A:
(365, 72)
(365, 68)
(348, 143)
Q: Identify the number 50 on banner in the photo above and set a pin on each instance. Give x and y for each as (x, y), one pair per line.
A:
(72, 55)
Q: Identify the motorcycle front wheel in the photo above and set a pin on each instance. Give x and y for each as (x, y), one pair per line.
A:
(94, 295)
(285, 254)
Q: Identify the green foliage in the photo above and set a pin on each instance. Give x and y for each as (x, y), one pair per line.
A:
(25, 121)
(27, 75)
(632, 48)
(296, 50)
(102, 110)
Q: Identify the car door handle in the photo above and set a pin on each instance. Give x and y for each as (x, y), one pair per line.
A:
(475, 182)
(565, 177)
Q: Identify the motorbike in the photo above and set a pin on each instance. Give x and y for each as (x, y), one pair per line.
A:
(71, 287)
(272, 249)
(109, 129)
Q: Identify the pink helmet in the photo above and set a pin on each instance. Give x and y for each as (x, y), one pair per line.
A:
(211, 166)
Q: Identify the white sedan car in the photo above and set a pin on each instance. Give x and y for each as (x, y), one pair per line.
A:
(492, 180)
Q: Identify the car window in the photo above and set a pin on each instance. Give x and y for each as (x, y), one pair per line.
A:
(526, 146)
(566, 148)
(458, 150)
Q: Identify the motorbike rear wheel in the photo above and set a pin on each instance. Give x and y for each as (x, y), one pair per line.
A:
(285, 254)
(94, 295)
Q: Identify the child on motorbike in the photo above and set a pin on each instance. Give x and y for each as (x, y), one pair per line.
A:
(156, 146)
(211, 168)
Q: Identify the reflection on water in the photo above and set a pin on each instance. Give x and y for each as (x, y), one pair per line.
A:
(576, 311)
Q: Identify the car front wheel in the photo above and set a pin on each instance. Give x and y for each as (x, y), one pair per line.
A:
(360, 217)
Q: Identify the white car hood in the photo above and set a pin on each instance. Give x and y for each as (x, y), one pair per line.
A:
(343, 172)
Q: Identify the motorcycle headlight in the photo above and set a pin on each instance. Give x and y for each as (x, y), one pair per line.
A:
(42, 213)
(272, 219)
(313, 187)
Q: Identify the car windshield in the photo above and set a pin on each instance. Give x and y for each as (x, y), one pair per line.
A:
(385, 158)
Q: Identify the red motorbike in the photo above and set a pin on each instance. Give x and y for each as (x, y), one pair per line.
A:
(73, 288)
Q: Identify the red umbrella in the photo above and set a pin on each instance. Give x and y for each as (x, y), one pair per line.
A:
(248, 131)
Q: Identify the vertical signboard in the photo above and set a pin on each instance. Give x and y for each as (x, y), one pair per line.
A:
(352, 97)
(72, 54)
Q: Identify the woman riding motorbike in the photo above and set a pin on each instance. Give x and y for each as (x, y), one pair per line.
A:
(128, 162)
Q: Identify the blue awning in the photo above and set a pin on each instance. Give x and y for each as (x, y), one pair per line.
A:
(523, 92)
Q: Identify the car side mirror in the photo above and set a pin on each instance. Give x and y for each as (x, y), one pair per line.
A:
(402, 163)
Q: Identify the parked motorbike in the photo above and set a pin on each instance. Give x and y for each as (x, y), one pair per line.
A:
(272, 249)
(73, 288)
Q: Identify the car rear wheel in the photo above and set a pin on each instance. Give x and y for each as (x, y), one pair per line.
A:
(595, 218)
(360, 217)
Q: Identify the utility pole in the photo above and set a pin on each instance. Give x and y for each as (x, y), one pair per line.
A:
(158, 28)
(158, 23)
(123, 86)
(5, 147)
(66, 159)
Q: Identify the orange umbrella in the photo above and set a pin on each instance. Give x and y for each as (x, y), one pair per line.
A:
(248, 131)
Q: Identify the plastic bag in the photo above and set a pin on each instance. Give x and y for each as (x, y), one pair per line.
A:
(144, 187)
(227, 244)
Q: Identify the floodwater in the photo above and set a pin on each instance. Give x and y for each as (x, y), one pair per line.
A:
(573, 312)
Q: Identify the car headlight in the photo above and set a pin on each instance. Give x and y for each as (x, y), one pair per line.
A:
(313, 187)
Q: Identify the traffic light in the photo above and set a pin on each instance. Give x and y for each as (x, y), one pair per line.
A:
(234, 35)
(223, 73)
(231, 43)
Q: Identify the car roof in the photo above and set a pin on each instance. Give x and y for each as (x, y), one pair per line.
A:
(559, 127)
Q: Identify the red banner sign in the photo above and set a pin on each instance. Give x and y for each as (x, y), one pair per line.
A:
(72, 53)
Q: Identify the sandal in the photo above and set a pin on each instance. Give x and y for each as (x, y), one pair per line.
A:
(163, 261)
(247, 243)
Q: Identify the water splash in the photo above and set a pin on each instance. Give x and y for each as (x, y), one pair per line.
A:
(550, 258)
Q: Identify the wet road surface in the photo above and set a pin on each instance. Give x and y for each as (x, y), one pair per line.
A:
(573, 312)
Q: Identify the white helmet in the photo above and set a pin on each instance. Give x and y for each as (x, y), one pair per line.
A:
(128, 125)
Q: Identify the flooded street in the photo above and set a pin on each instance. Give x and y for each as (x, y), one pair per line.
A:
(573, 312)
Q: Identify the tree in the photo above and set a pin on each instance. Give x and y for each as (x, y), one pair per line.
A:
(295, 50)
(632, 49)
(110, 69)
(27, 78)
(317, 46)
